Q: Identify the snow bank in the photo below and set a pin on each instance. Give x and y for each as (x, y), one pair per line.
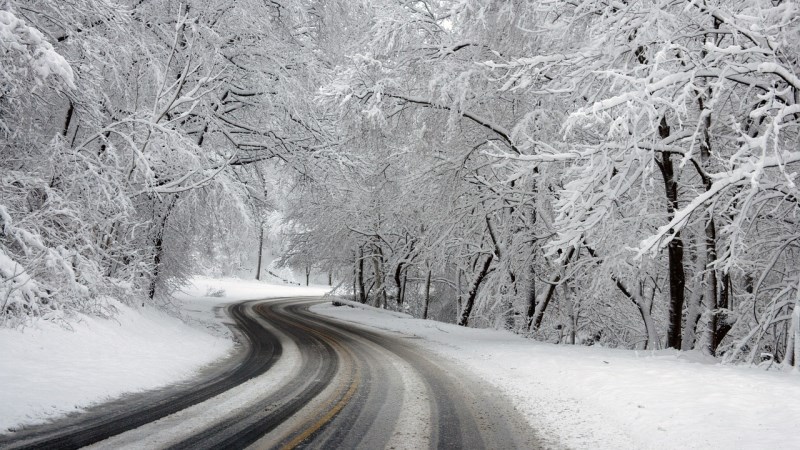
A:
(47, 371)
(590, 397)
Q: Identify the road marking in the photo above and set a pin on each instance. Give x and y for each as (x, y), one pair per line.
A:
(327, 417)
(355, 372)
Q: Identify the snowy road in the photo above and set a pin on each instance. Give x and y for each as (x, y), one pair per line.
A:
(310, 380)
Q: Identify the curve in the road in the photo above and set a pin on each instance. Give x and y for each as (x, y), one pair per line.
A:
(351, 390)
(464, 412)
(262, 350)
(320, 364)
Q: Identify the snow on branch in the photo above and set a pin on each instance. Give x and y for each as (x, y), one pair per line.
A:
(27, 47)
(750, 171)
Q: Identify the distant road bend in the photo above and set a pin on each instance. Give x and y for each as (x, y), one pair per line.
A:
(303, 380)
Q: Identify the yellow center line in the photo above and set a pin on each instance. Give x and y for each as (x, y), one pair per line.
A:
(327, 417)
(332, 411)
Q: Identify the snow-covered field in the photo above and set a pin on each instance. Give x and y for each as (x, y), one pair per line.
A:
(47, 371)
(589, 397)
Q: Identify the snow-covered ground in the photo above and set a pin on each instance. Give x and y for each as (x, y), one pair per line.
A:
(581, 397)
(47, 371)
(590, 397)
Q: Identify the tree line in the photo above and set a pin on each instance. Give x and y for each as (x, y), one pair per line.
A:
(578, 171)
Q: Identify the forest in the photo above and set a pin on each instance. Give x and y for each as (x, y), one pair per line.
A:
(612, 172)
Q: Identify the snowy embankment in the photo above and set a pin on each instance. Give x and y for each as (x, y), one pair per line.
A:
(47, 371)
(590, 397)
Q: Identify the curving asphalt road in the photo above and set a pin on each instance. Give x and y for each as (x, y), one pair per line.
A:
(303, 381)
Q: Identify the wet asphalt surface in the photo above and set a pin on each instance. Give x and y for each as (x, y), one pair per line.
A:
(351, 387)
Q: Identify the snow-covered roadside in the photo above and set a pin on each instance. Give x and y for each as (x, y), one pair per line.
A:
(47, 371)
(589, 397)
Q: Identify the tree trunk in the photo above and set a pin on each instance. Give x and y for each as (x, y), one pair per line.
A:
(717, 297)
(693, 311)
(676, 292)
(68, 119)
(405, 282)
(572, 313)
(398, 281)
(793, 345)
(644, 306)
(355, 279)
(645, 310)
(362, 293)
(720, 322)
(308, 273)
(531, 298)
(158, 249)
(427, 295)
(677, 280)
(260, 252)
(711, 286)
(459, 299)
(717, 300)
(541, 305)
(463, 319)
(377, 266)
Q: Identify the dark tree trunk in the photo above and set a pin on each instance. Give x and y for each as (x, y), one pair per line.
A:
(68, 119)
(532, 212)
(531, 298)
(398, 280)
(362, 293)
(676, 290)
(541, 305)
(463, 319)
(677, 281)
(427, 295)
(260, 252)
(720, 323)
(403, 287)
(158, 247)
(712, 286)
(538, 316)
